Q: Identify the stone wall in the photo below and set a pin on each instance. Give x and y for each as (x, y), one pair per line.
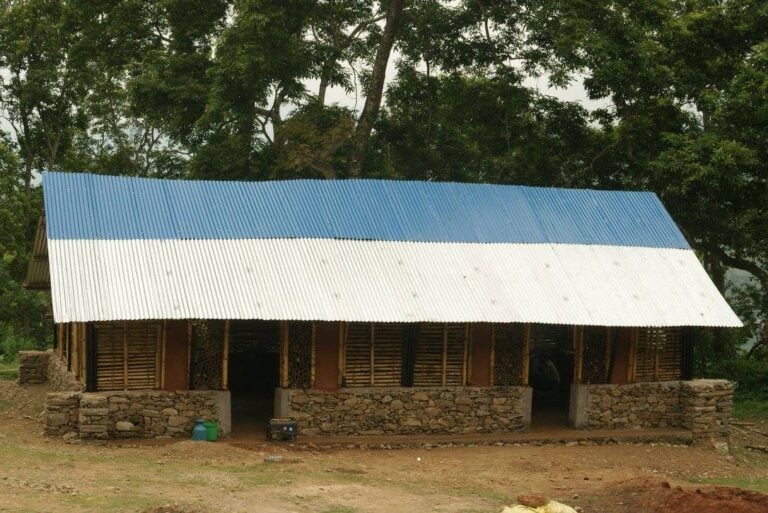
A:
(37, 367)
(379, 410)
(61, 416)
(703, 406)
(706, 406)
(33, 367)
(60, 379)
(636, 405)
(140, 414)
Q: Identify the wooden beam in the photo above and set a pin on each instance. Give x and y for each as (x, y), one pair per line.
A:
(493, 355)
(631, 368)
(372, 353)
(125, 355)
(225, 358)
(656, 354)
(526, 363)
(444, 373)
(467, 371)
(163, 338)
(284, 334)
(312, 359)
(190, 329)
(578, 353)
(608, 344)
(342, 349)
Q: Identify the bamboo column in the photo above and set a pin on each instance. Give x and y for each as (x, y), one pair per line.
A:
(526, 363)
(225, 358)
(284, 354)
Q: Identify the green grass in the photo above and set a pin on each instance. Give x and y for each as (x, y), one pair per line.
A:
(9, 371)
(757, 484)
(750, 409)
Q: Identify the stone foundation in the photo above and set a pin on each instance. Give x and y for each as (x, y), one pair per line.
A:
(139, 414)
(33, 367)
(706, 408)
(379, 411)
(703, 406)
(38, 367)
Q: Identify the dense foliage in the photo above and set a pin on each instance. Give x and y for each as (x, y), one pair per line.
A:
(239, 89)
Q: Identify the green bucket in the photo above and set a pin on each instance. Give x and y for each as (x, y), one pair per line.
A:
(213, 430)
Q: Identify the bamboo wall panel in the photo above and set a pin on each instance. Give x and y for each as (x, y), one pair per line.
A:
(659, 354)
(299, 354)
(357, 358)
(207, 353)
(509, 355)
(388, 354)
(456, 335)
(597, 352)
(126, 355)
(428, 369)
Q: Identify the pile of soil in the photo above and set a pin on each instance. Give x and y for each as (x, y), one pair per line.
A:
(654, 496)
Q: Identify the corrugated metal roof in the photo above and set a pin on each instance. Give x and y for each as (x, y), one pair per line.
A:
(326, 279)
(86, 206)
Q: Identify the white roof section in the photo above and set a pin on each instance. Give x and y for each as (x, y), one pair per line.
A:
(382, 281)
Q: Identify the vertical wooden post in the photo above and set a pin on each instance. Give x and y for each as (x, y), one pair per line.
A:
(125, 355)
(578, 353)
(631, 368)
(342, 349)
(373, 356)
(76, 349)
(467, 360)
(159, 355)
(526, 363)
(312, 359)
(190, 378)
(608, 344)
(444, 374)
(225, 358)
(91, 369)
(493, 355)
(163, 338)
(284, 354)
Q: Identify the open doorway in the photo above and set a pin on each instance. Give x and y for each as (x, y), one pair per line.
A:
(550, 374)
(254, 373)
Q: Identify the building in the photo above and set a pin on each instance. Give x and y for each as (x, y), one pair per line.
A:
(369, 307)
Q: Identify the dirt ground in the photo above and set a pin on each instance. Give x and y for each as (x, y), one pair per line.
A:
(38, 474)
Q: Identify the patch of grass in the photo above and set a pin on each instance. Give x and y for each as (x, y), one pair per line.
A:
(121, 502)
(9, 371)
(338, 509)
(757, 484)
(750, 409)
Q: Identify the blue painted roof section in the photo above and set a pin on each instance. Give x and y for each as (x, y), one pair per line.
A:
(87, 206)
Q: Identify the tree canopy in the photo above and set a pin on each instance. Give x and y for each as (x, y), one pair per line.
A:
(239, 89)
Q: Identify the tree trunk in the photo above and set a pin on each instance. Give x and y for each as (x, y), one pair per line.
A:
(375, 89)
(322, 90)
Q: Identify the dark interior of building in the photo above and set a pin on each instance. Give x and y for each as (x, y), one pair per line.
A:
(550, 374)
(254, 367)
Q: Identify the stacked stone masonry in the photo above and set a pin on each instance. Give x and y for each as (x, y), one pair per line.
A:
(37, 367)
(33, 367)
(637, 405)
(706, 406)
(144, 414)
(60, 379)
(379, 411)
(703, 406)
